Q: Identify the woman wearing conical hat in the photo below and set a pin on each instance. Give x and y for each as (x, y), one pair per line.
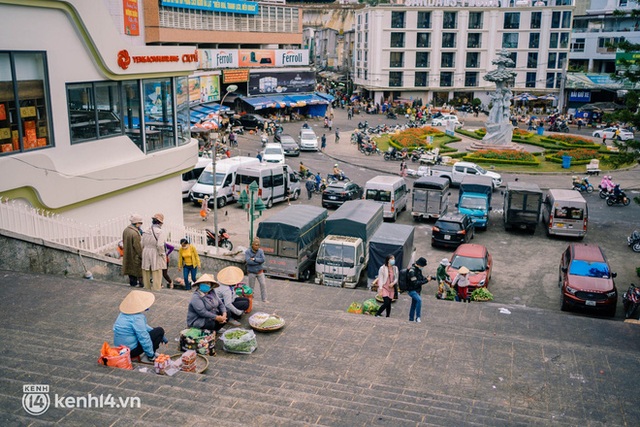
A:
(131, 328)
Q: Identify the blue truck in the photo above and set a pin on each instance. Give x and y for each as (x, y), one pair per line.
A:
(475, 199)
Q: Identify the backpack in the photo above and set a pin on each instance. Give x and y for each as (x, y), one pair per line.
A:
(403, 282)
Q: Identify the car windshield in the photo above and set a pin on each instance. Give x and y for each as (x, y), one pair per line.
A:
(448, 226)
(589, 269)
(379, 195)
(482, 171)
(473, 264)
(473, 203)
(273, 151)
(206, 178)
(336, 255)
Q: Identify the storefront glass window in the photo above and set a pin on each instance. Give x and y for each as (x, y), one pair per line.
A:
(182, 108)
(158, 114)
(131, 111)
(24, 102)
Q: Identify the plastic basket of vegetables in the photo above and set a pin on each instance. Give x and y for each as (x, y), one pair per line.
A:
(241, 341)
(481, 294)
(264, 322)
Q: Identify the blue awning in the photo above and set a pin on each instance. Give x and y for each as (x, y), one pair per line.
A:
(325, 96)
(196, 116)
(290, 100)
(215, 107)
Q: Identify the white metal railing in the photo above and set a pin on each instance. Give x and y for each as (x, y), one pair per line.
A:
(23, 219)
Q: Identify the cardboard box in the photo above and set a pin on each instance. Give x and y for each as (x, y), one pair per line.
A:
(5, 133)
(5, 148)
(30, 144)
(29, 124)
(41, 142)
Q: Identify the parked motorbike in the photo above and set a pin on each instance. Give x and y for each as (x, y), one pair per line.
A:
(558, 127)
(363, 125)
(583, 185)
(223, 239)
(618, 199)
(631, 301)
(264, 139)
(340, 177)
(369, 148)
(394, 154)
(634, 241)
(391, 115)
(416, 154)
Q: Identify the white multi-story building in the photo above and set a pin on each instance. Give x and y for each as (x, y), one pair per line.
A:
(439, 50)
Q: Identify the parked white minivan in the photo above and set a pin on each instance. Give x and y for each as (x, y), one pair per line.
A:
(273, 182)
(308, 140)
(389, 190)
(190, 178)
(225, 177)
(565, 213)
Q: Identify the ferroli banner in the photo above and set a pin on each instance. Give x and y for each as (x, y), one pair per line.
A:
(272, 82)
(252, 58)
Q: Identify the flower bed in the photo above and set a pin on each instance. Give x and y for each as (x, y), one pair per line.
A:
(580, 156)
(415, 137)
(503, 156)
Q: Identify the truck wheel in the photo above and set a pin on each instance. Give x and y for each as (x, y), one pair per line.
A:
(306, 275)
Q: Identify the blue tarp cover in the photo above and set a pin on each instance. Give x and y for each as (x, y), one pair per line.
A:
(297, 223)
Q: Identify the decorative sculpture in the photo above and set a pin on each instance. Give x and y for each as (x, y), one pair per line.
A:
(499, 128)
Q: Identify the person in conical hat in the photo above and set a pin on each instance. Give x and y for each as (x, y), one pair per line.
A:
(228, 278)
(131, 328)
(461, 284)
(206, 310)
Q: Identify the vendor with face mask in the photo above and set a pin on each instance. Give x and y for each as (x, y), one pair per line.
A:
(206, 310)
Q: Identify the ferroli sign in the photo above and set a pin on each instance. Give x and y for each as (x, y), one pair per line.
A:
(252, 58)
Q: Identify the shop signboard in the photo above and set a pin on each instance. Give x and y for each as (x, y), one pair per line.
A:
(285, 82)
(579, 96)
(209, 88)
(257, 58)
(235, 76)
(218, 58)
(229, 6)
(131, 22)
(194, 90)
(252, 58)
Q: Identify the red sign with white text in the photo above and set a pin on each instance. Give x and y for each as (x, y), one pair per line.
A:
(131, 20)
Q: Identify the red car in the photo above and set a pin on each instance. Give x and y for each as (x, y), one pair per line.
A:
(586, 279)
(477, 259)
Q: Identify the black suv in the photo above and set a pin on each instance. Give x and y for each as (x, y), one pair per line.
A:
(252, 121)
(452, 229)
(338, 192)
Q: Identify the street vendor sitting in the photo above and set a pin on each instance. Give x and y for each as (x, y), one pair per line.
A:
(131, 328)
(228, 278)
(206, 310)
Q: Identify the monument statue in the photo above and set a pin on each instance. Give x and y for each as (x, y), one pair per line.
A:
(499, 127)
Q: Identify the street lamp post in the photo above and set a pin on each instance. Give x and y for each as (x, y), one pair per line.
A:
(252, 205)
(230, 89)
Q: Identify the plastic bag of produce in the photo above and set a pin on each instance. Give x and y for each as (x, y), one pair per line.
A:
(355, 308)
(243, 290)
(202, 341)
(241, 341)
(116, 357)
(481, 294)
(370, 306)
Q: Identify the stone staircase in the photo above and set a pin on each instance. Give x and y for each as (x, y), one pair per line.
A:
(326, 367)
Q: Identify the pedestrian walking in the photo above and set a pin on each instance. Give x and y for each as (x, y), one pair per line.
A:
(132, 251)
(461, 285)
(323, 143)
(349, 113)
(310, 186)
(189, 262)
(387, 280)
(330, 124)
(254, 256)
(154, 257)
(337, 135)
(403, 168)
(165, 272)
(204, 209)
(415, 280)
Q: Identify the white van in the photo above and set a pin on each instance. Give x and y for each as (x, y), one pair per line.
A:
(190, 178)
(389, 190)
(273, 182)
(308, 140)
(565, 213)
(225, 177)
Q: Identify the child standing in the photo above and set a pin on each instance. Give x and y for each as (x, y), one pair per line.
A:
(204, 210)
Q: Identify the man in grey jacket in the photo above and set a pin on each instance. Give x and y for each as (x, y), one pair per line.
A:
(254, 256)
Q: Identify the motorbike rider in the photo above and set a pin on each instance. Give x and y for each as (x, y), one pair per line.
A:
(304, 171)
(318, 181)
(606, 184)
(617, 192)
(337, 173)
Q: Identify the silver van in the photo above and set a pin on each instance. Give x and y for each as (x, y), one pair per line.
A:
(389, 190)
(565, 213)
(190, 178)
(224, 179)
(275, 182)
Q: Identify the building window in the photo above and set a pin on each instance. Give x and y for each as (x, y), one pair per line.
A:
(396, 59)
(536, 20)
(532, 60)
(608, 44)
(553, 41)
(474, 40)
(395, 78)
(446, 79)
(578, 45)
(366, 74)
(448, 40)
(470, 79)
(531, 80)
(422, 59)
(511, 20)
(510, 40)
(182, 109)
(473, 60)
(423, 40)
(566, 19)
(514, 58)
(397, 39)
(359, 55)
(562, 59)
(534, 40)
(132, 111)
(424, 19)
(397, 19)
(564, 40)
(94, 111)
(447, 60)
(555, 19)
(422, 77)
(552, 59)
(24, 102)
(450, 20)
(550, 80)
(475, 20)
(158, 114)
